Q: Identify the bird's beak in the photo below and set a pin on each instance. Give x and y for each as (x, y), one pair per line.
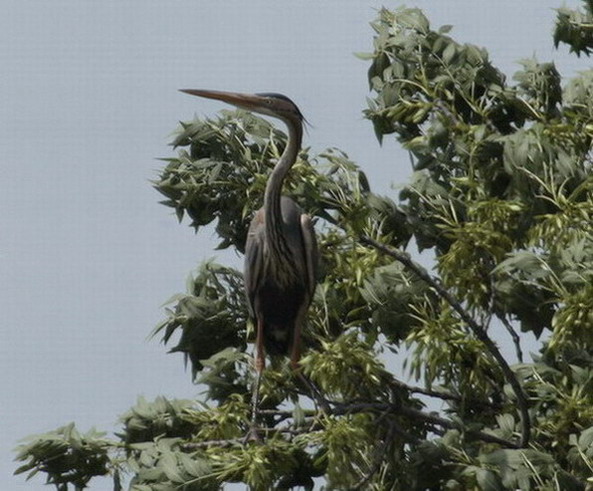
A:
(245, 101)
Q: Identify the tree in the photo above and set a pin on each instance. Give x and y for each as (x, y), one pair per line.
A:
(501, 200)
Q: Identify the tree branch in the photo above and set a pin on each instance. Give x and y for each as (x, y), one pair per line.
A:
(514, 336)
(342, 409)
(433, 419)
(213, 443)
(421, 416)
(478, 330)
(379, 457)
(440, 394)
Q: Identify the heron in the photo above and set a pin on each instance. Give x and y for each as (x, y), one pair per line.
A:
(281, 253)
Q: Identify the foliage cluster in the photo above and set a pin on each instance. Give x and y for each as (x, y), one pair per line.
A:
(501, 196)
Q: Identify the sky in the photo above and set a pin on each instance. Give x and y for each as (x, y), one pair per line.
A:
(90, 100)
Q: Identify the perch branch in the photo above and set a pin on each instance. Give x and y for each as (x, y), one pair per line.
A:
(440, 394)
(342, 409)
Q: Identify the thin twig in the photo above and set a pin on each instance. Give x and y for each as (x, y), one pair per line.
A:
(213, 443)
(425, 417)
(284, 413)
(421, 416)
(379, 457)
(452, 425)
(289, 431)
(440, 394)
(406, 435)
(241, 441)
(514, 336)
(478, 330)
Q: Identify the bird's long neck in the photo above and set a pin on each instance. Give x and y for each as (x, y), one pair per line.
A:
(273, 214)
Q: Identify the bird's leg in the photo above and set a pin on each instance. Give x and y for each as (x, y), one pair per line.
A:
(295, 355)
(260, 363)
(260, 352)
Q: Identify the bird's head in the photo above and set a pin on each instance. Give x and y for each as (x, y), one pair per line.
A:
(270, 104)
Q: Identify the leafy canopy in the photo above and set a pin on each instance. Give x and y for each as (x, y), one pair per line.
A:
(501, 196)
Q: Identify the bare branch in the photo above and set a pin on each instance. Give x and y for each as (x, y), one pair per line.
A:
(452, 425)
(514, 336)
(213, 443)
(429, 418)
(440, 394)
(380, 453)
(478, 330)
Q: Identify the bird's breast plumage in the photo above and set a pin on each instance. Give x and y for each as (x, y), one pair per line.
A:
(278, 281)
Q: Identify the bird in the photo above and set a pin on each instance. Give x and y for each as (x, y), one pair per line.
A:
(281, 253)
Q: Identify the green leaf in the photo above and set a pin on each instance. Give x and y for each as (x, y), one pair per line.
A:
(449, 53)
(586, 439)
(488, 480)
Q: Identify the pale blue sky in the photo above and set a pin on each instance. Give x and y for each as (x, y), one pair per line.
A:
(89, 89)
